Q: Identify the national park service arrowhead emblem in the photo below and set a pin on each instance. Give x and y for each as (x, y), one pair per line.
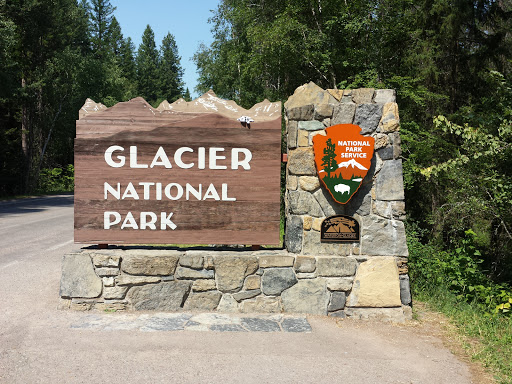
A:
(343, 157)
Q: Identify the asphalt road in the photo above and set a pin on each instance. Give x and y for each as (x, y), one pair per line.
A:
(41, 344)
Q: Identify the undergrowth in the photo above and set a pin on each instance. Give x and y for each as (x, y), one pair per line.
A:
(453, 283)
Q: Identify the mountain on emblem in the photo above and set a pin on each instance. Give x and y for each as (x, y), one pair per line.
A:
(352, 163)
(343, 157)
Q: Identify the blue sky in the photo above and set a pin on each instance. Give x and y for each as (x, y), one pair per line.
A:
(186, 20)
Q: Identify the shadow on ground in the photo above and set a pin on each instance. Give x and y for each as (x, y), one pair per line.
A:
(35, 204)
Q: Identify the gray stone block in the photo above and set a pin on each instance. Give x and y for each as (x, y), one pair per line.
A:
(303, 203)
(192, 261)
(362, 95)
(293, 237)
(227, 328)
(336, 266)
(339, 283)
(168, 296)
(398, 209)
(110, 293)
(261, 304)
(306, 275)
(324, 111)
(276, 280)
(307, 296)
(390, 209)
(383, 96)
(107, 272)
(313, 246)
(292, 134)
(395, 315)
(382, 208)
(337, 302)
(273, 260)
(290, 324)
(304, 264)
(304, 112)
(301, 161)
(165, 323)
(327, 203)
(383, 237)
(389, 184)
(227, 304)
(189, 273)
(338, 314)
(368, 117)
(244, 295)
(405, 290)
(136, 280)
(78, 278)
(150, 262)
(108, 258)
(312, 125)
(386, 153)
(202, 285)
(256, 324)
(203, 301)
(231, 271)
(361, 202)
(343, 113)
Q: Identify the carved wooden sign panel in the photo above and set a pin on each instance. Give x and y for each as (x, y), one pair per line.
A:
(178, 174)
(343, 157)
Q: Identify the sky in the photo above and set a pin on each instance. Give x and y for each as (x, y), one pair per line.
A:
(187, 20)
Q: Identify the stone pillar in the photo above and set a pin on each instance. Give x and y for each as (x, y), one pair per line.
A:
(379, 203)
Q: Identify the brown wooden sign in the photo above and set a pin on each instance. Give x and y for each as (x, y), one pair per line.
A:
(145, 176)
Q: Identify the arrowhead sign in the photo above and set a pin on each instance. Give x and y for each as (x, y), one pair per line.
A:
(343, 157)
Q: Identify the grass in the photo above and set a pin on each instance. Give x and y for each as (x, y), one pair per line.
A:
(487, 339)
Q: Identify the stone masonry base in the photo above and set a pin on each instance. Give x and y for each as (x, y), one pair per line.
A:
(265, 281)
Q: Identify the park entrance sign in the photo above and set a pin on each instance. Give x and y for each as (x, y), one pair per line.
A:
(184, 173)
(203, 173)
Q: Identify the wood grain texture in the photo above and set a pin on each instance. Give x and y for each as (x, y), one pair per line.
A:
(252, 219)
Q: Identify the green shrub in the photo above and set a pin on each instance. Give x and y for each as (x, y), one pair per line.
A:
(459, 271)
(52, 180)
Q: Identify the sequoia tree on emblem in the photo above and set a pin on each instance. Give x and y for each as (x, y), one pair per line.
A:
(343, 157)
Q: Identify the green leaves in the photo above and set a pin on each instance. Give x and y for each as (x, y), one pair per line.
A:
(460, 271)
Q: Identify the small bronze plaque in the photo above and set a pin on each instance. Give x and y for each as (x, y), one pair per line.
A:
(340, 228)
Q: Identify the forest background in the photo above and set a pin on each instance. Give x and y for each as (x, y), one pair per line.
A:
(450, 62)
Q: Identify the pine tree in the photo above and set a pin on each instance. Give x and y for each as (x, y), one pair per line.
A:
(128, 67)
(115, 38)
(101, 12)
(170, 71)
(187, 96)
(147, 67)
(329, 159)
